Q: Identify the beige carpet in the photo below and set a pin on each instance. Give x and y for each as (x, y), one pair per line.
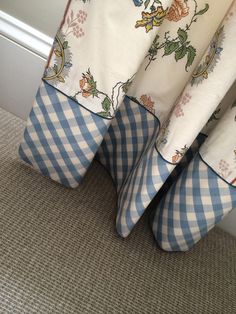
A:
(59, 251)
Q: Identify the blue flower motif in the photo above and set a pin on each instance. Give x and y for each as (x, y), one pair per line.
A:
(68, 65)
(138, 3)
(218, 50)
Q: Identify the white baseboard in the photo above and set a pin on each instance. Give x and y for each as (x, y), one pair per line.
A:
(25, 35)
(20, 75)
(23, 55)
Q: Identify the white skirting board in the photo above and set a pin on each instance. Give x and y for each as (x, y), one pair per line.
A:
(23, 56)
(25, 35)
(20, 75)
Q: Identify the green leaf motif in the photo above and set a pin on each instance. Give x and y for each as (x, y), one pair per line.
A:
(55, 68)
(93, 85)
(65, 44)
(182, 34)
(61, 79)
(106, 104)
(91, 82)
(191, 55)
(57, 53)
(170, 47)
(126, 86)
(146, 3)
(180, 53)
(155, 41)
(201, 12)
(103, 113)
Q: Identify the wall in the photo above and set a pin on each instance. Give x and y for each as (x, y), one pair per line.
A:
(44, 15)
(229, 223)
(21, 69)
(20, 75)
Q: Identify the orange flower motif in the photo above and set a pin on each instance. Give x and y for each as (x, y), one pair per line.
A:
(148, 103)
(88, 85)
(177, 11)
(179, 154)
(149, 20)
(176, 158)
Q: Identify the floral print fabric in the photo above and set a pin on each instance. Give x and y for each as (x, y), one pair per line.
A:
(90, 43)
(159, 70)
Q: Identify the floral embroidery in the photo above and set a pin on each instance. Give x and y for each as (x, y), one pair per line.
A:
(224, 169)
(210, 60)
(127, 85)
(154, 18)
(178, 10)
(88, 85)
(179, 154)
(157, 13)
(147, 103)
(138, 3)
(180, 45)
(88, 88)
(74, 23)
(62, 61)
(164, 132)
(178, 109)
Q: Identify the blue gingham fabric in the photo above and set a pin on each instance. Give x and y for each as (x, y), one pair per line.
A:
(197, 201)
(186, 159)
(129, 136)
(61, 137)
(128, 151)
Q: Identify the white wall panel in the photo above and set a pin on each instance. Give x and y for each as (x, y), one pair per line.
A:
(20, 75)
(44, 15)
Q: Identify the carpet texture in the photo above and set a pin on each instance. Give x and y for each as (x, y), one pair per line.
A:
(60, 253)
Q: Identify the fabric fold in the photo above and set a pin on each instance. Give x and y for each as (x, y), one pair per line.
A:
(61, 138)
(194, 204)
(141, 92)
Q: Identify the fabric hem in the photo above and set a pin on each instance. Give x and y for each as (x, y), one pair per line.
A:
(216, 173)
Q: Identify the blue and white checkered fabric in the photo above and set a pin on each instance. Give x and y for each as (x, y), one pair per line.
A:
(193, 205)
(183, 163)
(185, 160)
(141, 187)
(128, 151)
(61, 137)
(128, 137)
